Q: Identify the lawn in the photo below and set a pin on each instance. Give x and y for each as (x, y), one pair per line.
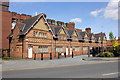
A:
(10, 58)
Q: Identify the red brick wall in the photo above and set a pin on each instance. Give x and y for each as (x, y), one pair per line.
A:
(7, 25)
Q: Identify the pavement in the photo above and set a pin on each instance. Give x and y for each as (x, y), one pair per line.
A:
(69, 61)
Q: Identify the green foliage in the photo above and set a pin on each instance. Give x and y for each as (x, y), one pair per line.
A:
(105, 54)
(116, 51)
(10, 58)
(111, 36)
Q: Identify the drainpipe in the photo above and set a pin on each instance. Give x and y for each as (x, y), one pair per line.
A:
(22, 47)
(9, 47)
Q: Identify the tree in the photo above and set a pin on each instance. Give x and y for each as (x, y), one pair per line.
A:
(115, 44)
(111, 36)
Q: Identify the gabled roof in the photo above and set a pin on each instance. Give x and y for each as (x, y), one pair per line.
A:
(99, 35)
(83, 34)
(102, 36)
(69, 32)
(90, 36)
(80, 37)
(29, 24)
(55, 29)
(96, 38)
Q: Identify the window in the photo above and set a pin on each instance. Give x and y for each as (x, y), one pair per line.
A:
(35, 34)
(59, 49)
(59, 23)
(42, 35)
(49, 22)
(77, 48)
(64, 25)
(21, 20)
(85, 48)
(43, 49)
(56, 23)
(75, 39)
(86, 39)
(53, 22)
(65, 38)
(60, 37)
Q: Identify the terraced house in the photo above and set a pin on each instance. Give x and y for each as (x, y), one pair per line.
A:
(41, 35)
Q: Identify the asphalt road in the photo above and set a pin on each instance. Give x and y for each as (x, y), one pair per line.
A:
(98, 70)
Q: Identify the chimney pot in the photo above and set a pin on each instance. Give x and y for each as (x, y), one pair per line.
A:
(88, 30)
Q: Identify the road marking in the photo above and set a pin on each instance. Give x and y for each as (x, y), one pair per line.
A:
(110, 74)
(56, 66)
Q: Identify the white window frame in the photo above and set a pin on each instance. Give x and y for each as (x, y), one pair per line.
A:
(42, 49)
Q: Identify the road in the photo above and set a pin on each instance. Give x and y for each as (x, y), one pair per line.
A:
(98, 70)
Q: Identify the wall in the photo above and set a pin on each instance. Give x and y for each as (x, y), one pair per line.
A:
(7, 25)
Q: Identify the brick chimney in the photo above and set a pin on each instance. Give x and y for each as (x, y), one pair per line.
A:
(71, 25)
(88, 30)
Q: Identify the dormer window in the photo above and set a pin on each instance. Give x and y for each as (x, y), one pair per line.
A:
(59, 24)
(64, 25)
(53, 22)
(56, 23)
(49, 22)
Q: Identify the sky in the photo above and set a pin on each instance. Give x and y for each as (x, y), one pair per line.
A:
(99, 16)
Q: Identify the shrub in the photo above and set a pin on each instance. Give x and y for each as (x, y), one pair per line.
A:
(116, 51)
(105, 54)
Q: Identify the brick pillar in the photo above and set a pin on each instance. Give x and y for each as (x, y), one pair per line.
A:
(25, 52)
(52, 47)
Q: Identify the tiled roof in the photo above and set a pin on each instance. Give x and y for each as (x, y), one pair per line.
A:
(29, 23)
(55, 29)
(90, 35)
(79, 30)
(69, 32)
(21, 26)
(99, 35)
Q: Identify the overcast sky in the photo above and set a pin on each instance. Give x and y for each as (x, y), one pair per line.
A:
(100, 16)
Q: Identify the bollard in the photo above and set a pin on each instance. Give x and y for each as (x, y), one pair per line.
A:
(65, 55)
(50, 56)
(72, 55)
(42, 56)
(35, 56)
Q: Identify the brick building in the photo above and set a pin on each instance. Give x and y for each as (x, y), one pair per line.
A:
(41, 35)
(8, 22)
